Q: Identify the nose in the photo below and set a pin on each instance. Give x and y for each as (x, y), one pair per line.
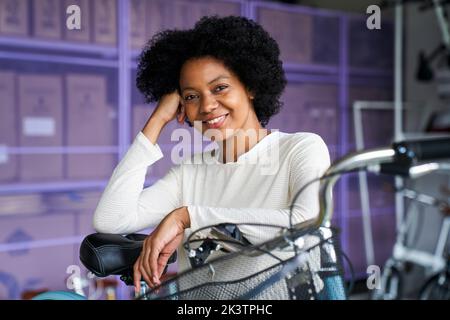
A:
(208, 103)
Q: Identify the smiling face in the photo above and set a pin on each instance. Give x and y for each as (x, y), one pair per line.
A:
(215, 98)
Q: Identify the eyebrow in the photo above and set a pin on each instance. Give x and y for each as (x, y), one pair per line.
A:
(212, 81)
(218, 78)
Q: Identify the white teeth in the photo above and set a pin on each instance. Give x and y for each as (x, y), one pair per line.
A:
(215, 120)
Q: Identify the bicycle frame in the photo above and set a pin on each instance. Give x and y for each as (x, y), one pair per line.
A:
(372, 160)
(432, 262)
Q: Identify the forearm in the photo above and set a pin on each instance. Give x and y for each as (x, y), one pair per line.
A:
(118, 208)
(153, 128)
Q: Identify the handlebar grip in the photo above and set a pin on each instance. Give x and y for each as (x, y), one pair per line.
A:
(425, 149)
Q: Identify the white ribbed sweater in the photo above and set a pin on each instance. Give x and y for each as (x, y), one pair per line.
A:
(215, 192)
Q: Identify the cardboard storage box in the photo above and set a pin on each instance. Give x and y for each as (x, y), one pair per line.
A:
(78, 200)
(90, 122)
(309, 108)
(187, 13)
(47, 18)
(8, 126)
(370, 48)
(83, 34)
(91, 166)
(105, 22)
(43, 266)
(325, 40)
(138, 18)
(292, 31)
(157, 18)
(22, 204)
(224, 8)
(86, 110)
(140, 115)
(40, 108)
(14, 17)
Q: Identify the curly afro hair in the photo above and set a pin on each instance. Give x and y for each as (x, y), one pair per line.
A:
(241, 44)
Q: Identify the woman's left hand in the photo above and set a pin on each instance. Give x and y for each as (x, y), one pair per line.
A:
(159, 246)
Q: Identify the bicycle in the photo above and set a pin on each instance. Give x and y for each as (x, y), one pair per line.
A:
(403, 255)
(303, 262)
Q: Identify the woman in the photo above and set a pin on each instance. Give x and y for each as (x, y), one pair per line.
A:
(225, 78)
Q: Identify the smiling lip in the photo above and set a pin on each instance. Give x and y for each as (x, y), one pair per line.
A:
(218, 121)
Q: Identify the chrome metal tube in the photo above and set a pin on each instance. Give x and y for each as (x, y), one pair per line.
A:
(353, 161)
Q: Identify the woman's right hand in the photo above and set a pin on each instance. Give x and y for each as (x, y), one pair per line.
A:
(169, 107)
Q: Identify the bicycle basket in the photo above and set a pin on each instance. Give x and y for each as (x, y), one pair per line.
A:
(313, 271)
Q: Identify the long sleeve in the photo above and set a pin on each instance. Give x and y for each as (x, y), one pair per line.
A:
(125, 206)
(309, 161)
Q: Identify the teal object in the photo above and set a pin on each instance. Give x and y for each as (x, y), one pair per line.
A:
(59, 295)
(334, 289)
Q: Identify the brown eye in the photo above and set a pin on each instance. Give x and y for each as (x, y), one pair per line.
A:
(220, 88)
(189, 97)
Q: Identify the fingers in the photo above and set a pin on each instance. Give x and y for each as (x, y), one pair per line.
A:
(145, 272)
(162, 262)
(146, 269)
(146, 264)
(154, 255)
(137, 275)
(142, 270)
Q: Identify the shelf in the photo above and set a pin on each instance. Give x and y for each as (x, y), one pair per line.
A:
(59, 45)
(370, 72)
(7, 247)
(33, 187)
(62, 59)
(110, 57)
(134, 54)
(310, 68)
(62, 150)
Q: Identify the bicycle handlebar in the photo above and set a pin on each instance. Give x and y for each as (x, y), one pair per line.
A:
(401, 155)
(424, 149)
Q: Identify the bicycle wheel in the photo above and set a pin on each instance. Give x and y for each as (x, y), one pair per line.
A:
(391, 285)
(436, 288)
(59, 295)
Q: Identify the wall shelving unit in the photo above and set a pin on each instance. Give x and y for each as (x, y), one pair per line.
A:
(327, 66)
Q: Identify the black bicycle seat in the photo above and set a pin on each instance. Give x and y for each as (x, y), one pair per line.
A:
(110, 254)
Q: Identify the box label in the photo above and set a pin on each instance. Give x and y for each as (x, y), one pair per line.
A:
(39, 126)
(3, 154)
